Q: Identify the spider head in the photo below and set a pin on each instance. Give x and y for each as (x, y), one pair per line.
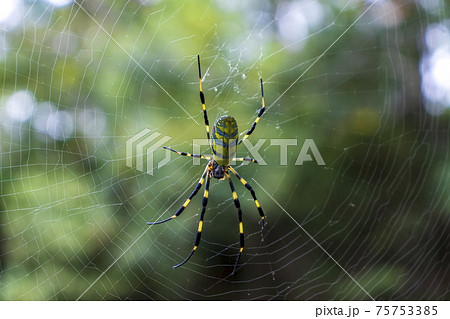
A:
(217, 171)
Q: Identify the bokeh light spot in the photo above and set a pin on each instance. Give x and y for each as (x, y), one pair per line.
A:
(20, 105)
(59, 3)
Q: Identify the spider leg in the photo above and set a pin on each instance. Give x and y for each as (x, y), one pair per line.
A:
(247, 185)
(200, 223)
(260, 113)
(241, 226)
(202, 97)
(189, 154)
(181, 209)
(245, 159)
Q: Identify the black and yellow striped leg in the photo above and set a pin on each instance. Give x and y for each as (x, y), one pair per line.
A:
(202, 97)
(181, 209)
(245, 159)
(200, 223)
(241, 226)
(247, 185)
(188, 154)
(258, 117)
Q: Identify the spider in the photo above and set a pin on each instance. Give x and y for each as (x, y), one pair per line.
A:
(223, 143)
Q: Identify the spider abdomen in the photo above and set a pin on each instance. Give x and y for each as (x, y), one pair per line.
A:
(224, 139)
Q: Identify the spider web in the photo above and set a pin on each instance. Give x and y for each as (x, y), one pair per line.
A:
(367, 81)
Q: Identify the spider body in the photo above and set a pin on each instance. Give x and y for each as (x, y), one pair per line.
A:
(223, 144)
(223, 140)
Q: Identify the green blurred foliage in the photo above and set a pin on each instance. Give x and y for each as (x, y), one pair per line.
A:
(72, 214)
